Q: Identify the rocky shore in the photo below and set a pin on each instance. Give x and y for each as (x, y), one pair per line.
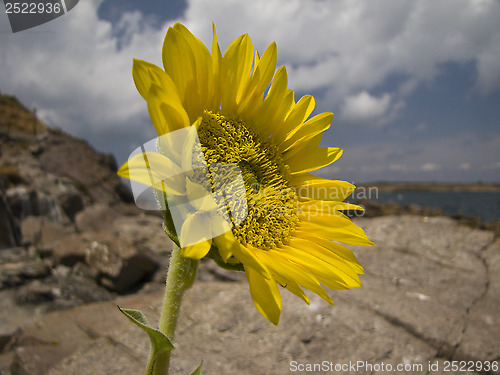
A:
(73, 246)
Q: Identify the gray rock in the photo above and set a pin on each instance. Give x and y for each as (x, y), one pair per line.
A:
(98, 217)
(18, 266)
(10, 234)
(429, 295)
(64, 155)
(35, 293)
(25, 201)
(72, 202)
(119, 265)
(71, 249)
(114, 262)
(42, 233)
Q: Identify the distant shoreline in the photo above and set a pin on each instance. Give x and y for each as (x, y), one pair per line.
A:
(432, 186)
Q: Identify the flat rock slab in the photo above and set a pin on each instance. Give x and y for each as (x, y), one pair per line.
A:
(430, 295)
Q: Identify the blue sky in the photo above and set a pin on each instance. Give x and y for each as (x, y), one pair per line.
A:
(414, 85)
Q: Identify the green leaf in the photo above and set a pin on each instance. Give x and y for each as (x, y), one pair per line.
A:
(198, 370)
(159, 341)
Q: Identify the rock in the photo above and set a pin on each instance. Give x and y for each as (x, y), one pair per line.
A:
(429, 295)
(71, 202)
(9, 229)
(433, 272)
(482, 327)
(71, 249)
(97, 217)
(64, 155)
(144, 230)
(75, 288)
(35, 293)
(115, 262)
(25, 201)
(17, 267)
(42, 233)
(119, 265)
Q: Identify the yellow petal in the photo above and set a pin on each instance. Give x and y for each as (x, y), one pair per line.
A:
(196, 251)
(195, 236)
(318, 253)
(179, 61)
(142, 77)
(296, 117)
(237, 63)
(227, 244)
(152, 169)
(259, 80)
(352, 235)
(265, 295)
(217, 73)
(202, 71)
(328, 275)
(274, 98)
(247, 255)
(287, 269)
(279, 114)
(315, 159)
(167, 114)
(312, 127)
(335, 248)
(309, 186)
(313, 206)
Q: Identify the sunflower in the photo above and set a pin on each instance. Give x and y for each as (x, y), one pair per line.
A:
(293, 228)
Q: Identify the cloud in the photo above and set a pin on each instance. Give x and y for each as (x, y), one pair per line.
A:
(345, 45)
(365, 107)
(429, 167)
(77, 69)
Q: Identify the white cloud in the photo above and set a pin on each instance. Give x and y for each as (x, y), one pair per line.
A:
(364, 107)
(429, 167)
(350, 44)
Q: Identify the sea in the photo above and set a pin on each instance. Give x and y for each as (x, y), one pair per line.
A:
(471, 204)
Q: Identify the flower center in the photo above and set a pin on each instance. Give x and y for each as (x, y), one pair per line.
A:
(272, 203)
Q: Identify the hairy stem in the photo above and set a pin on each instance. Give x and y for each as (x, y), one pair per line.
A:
(180, 277)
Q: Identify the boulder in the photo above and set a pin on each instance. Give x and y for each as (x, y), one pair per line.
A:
(17, 266)
(118, 264)
(9, 228)
(25, 201)
(94, 173)
(71, 249)
(114, 262)
(42, 233)
(97, 217)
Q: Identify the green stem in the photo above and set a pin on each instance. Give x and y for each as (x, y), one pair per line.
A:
(180, 277)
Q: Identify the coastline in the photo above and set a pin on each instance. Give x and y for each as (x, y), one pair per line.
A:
(389, 187)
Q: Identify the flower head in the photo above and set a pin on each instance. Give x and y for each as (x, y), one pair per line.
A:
(285, 226)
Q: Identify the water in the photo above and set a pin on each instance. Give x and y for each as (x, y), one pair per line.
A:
(483, 204)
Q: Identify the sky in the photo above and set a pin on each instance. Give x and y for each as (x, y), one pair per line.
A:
(414, 85)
